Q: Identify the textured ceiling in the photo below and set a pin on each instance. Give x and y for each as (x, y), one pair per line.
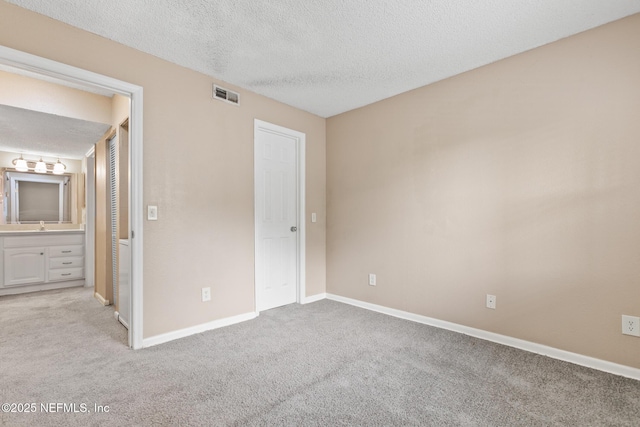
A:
(331, 56)
(27, 131)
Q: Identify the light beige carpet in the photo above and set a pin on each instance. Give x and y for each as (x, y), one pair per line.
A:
(321, 364)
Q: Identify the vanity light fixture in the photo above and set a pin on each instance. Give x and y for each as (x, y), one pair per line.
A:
(58, 168)
(40, 166)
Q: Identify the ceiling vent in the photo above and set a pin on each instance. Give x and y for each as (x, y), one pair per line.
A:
(225, 95)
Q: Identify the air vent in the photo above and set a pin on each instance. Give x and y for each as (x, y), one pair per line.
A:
(225, 95)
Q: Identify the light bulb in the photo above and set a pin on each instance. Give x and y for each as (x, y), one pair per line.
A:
(21, 165)
(41, 167)
(58, 168)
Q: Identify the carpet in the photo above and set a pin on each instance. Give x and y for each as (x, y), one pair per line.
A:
(321, 364)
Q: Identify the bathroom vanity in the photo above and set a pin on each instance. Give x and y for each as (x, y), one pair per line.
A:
(41, 260)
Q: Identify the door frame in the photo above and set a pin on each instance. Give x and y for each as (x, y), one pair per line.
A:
(88, 79)
(300, 138)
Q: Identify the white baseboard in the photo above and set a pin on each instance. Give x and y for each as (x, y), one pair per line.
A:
(101, 299)
(181, 333)
(40, 287)
(314, 298)
(567, 356)
(116, 314)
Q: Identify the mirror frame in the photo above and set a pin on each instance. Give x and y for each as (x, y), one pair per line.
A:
(12, 217)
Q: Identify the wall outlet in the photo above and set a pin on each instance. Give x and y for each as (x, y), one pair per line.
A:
(372, 279)
(206, 294)
(491, 301)
(631, 325)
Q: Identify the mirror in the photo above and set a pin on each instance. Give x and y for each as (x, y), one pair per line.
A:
(33, 197)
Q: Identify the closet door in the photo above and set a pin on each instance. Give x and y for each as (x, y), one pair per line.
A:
(113, 189)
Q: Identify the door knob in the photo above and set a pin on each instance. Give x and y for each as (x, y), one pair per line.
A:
(294, 228)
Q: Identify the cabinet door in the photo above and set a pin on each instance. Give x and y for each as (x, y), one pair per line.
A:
(24, 266)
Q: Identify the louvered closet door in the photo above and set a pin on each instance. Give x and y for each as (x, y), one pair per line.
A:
(113, 185)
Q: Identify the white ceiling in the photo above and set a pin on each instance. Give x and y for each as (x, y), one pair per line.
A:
(331, 56)
(43, 134)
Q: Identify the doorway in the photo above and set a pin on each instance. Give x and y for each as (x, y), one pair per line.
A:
(279, 197)
(85, 79)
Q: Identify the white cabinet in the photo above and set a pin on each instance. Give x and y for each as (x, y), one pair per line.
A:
(38, 261)
(24, 266)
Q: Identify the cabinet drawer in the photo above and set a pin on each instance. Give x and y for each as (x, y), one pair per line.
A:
(66, 274)
(66, 262)
(56, 251)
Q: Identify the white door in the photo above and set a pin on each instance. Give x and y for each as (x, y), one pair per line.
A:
(112, 145)
(124, 286)
(276, 215)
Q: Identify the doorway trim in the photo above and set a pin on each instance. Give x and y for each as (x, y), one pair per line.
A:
(300, 138)
(46, 67)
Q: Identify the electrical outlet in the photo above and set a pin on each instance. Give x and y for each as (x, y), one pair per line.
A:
(206, 294)
(372, 279)
(631, 325)
(491, 301)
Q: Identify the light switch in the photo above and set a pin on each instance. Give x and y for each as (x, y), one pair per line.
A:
(152, 213)
(313, 217)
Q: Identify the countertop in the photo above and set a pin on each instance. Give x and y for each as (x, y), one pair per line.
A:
(37, 232)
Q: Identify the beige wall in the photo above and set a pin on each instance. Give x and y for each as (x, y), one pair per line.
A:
(120, 108)
(518, 179)
(205, 232)
(38, 95)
